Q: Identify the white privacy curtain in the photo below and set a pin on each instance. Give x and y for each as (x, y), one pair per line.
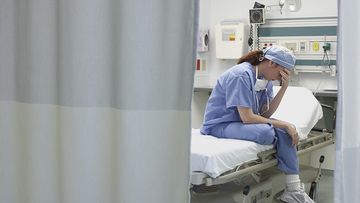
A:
(347, 178)
(95, 100)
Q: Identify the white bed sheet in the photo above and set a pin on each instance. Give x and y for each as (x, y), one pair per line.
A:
(215, 156)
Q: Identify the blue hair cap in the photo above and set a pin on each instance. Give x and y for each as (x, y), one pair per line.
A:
(280, 55)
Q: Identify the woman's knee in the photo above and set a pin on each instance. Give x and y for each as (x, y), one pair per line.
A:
(283, 136)
(266, 134)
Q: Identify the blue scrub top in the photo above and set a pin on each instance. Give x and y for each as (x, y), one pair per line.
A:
(234, 88)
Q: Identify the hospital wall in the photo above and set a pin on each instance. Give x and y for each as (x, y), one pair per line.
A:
(214, 11)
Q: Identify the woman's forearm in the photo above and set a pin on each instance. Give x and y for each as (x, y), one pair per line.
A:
(247, 116)
(274, 104)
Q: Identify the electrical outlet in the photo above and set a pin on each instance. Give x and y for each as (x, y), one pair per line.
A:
(302, 46)
(291, 46)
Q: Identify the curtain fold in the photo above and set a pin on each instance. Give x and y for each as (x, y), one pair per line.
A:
(95, 100)
(347, 180)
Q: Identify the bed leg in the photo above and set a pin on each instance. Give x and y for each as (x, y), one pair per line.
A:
(315, 184)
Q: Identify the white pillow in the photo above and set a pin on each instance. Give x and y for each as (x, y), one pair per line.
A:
(299, 107)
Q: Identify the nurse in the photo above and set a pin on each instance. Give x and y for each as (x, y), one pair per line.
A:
(242, 102)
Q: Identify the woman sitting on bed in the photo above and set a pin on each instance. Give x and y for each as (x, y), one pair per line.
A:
(242, 102)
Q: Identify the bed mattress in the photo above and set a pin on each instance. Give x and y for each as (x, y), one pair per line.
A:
(215, 156)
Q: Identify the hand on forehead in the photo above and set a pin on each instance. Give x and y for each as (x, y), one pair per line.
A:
(287, 71)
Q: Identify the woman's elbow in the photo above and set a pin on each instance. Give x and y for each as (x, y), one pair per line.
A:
(246, 119)
(246, 115)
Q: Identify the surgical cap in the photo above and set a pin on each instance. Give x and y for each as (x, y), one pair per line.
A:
(280, 55)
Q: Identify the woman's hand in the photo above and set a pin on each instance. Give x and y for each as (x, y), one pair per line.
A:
(285, 77)
(291, 130)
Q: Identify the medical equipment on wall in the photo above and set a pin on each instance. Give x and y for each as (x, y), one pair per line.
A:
(325, 59)
(257, 17)
(203, 41)
(290, 5)
(293, 5)
(280, 4)
(230, 37)
(313, 41)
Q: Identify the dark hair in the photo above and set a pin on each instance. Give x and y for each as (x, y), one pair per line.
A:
(252, 57)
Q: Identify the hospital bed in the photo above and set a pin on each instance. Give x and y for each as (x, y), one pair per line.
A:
(217, 161)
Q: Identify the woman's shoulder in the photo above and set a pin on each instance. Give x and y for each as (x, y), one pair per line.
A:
(235, 73)
(240, 70)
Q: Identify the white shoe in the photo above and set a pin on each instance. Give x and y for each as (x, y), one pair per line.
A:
(296, 196)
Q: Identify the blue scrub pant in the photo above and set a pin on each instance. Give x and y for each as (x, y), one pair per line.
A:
(264, 134)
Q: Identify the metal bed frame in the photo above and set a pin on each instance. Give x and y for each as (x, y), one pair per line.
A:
(266, 159)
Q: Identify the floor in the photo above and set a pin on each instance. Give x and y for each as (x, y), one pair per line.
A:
(230, 193)
(326, 189)
(325, 193)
